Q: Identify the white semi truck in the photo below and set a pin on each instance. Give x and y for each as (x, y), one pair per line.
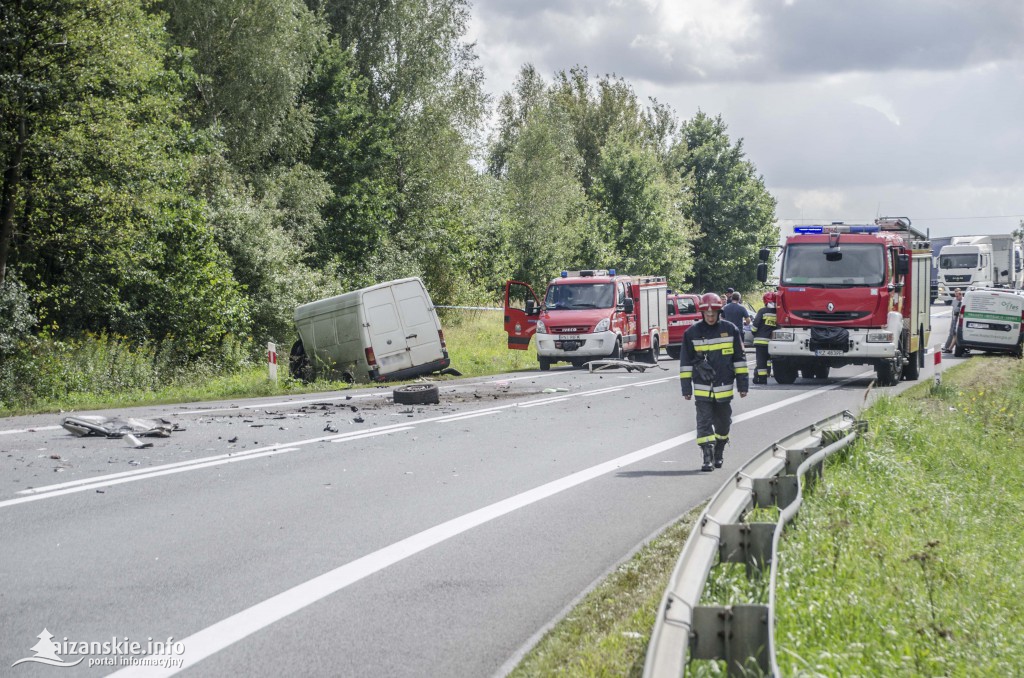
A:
(975, 261)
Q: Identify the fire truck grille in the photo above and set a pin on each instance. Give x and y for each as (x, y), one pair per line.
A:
(572, 329)
(825, 316)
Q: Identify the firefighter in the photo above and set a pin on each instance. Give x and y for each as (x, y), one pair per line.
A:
(764, 323)
(711, 358)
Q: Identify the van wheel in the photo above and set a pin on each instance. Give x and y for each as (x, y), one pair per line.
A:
(417, 394)
(299, 365)
(545, 364)
(958, 352)
(673, 352)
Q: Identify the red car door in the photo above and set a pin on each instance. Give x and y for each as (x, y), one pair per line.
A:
(520, 325)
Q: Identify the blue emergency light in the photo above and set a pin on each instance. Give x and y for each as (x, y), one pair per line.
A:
(611, 271)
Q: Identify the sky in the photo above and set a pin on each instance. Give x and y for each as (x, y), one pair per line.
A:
(849, 110)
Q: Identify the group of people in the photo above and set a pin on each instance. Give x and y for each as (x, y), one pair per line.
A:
(712, 359)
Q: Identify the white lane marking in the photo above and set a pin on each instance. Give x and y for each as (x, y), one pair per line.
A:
(226, 632)
(283, 403)
(84, 484)
(31, 429)
(612, 389)
(549, 401)
(472, 415)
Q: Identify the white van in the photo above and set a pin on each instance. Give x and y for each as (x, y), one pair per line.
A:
(991, 320)
(387, 331)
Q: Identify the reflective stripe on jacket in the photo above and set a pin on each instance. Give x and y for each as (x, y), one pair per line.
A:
(721, 345)
(763, 325)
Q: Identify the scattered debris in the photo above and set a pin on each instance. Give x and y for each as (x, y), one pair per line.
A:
(359, 420)
(233, 440)
(136, 443)
(555, 390)
(91, 425)
(331, 428)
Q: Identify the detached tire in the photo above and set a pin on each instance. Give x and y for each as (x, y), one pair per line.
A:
(299, 365)
(417, 394)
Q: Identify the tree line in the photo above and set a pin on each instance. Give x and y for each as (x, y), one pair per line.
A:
(193, 170)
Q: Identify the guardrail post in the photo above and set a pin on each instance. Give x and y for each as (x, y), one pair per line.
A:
(736, 633)
(795, 457)
(747, 543)
(779, 491)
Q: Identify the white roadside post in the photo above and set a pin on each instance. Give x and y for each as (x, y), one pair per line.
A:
(938, 369)
(272, 360)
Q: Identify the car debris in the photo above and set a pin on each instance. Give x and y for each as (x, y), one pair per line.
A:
(92, 425)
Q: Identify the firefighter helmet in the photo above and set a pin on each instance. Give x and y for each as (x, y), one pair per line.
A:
(710, 302)
(769, 298)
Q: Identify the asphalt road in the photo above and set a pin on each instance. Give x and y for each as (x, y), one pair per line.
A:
(343, 535)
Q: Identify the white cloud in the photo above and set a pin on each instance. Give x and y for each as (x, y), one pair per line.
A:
(907, 107)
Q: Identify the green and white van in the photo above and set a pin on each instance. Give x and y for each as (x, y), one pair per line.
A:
(991, 320)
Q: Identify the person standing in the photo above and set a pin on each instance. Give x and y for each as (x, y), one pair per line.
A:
(736, 313)
(762, 325)
(711, 359)
(958, 299)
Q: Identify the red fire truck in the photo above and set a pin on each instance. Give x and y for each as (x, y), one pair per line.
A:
(682, 313)
(588, 315)
(852, 295)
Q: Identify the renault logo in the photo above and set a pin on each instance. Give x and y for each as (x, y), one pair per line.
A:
(831, 307)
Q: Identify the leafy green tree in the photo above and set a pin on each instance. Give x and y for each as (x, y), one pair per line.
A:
(96, 156)
(728, 203)
(252, 59)
(649, 233)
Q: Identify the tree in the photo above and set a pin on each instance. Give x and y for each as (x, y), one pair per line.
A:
(96, 156)
(649, 233)
(728, 203)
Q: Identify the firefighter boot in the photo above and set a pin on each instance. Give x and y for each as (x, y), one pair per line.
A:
(719, 449)
(708, 451)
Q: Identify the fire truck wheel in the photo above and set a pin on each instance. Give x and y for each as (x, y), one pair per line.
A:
(299, 365)
(616, 353)
(673, 352)
(887, 373)
(783, 373)
(655, 351)
(417, 394)
(545, 364)
(912, 370)
(822, 371)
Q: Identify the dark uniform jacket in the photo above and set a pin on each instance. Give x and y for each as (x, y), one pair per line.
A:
(721, 345)
(763, 324)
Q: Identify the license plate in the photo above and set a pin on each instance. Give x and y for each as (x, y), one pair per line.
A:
(569, 337)
(828, 352)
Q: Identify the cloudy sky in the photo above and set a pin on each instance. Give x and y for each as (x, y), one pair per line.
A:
(849, 109)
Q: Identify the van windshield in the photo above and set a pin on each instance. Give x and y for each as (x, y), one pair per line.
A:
(578, 296)
(860, 265)
(958, 261)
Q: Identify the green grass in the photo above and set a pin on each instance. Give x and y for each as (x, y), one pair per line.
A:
(101, 372)
(906, 561)
(606, 634)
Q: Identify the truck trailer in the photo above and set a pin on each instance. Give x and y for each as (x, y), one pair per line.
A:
(976, 261)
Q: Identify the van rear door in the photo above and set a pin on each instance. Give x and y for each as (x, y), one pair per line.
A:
(387, 336)
(419, 322)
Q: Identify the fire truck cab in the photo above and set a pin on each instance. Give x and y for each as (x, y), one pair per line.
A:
(852, 295)
(589, 314)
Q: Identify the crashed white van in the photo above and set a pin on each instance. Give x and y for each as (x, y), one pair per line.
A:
(991, 320)
(385, 332)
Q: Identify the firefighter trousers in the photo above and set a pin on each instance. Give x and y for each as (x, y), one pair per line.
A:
(763, 366)
(714, 418)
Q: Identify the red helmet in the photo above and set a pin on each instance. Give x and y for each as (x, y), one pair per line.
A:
(710, 302)
(768, 298)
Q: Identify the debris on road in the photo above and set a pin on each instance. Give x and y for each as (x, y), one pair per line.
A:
(92, 425)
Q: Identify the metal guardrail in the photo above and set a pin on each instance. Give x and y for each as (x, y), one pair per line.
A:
(740, 634)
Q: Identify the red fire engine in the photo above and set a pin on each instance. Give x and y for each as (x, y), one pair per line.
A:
(852, 295)
(588, 315)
